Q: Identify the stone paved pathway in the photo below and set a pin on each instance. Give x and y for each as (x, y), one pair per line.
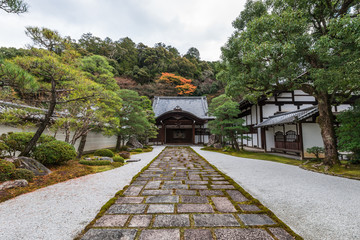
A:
(180, 196)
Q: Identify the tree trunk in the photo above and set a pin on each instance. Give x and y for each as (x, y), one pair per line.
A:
(236, 144)
(82, 145)
(44, 123)
(67, 132)
(326, 122)
(118, 143)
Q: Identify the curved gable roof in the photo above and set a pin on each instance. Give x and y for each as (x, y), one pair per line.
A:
(194, 105)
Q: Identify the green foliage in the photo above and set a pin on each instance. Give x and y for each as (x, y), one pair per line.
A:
(227, 124)
(349, 132)
(118, 159)
(139, 150)
(283, 45)
(24, 174)
(7, 170)
(316, 151)
(54, 152)
(16, 141)
(47, 38)
(104, 153)
(95, 162)
(3, 149)
(98, 69)
(14, 6)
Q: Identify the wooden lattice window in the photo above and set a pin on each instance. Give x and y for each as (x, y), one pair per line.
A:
(279, 136)
(291, 136)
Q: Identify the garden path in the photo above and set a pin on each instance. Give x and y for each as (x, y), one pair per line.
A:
(314, 205)
(181, 196)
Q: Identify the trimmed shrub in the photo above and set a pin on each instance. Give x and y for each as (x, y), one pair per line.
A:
(139, 150)
(104, 153)
(16, 141)
(24, 174)
(7, 170)
(124, 155)
(95, 162)
(118, 159)
(55, 152)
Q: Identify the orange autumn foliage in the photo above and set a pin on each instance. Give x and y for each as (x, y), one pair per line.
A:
(181, 84)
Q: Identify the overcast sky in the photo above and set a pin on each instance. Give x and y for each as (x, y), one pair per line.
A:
(204, 24)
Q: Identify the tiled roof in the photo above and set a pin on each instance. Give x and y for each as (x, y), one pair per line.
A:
(289, 117)
(194, 105)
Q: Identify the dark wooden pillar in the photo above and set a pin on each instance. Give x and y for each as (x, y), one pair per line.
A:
(163, 133)
(193, 131)
(301, 141)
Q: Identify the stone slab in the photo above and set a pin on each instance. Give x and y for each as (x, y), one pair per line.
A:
(126, 208)
(179, 220)
(161, 208)
(186, 192)
(281, 234)
(211, 193)
(112, 221)
(198, 187)
(223, 204)
(110, 234)
(156, 192)
(133, 191)
(222, 187)
(197, 234)
(249, 207)
(242, 234)
(130, 200)
(140, 221)
(196, 182)
(194, 199)
(162, 199)
(175, 186)
(237, 196)
(256, 219)
(160, 234)
(194, 208)
(215, 220)
(153, 185)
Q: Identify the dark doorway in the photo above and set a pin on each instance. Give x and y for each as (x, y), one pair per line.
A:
(179, 136)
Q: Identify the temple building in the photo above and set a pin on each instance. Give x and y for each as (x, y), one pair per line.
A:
(181, 120)
(285, 122)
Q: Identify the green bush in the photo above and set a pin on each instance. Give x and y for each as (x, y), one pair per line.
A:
(24, 174)
(16, 141)
(95, 162)
(7, 170)
(139, 150)
(104, 153)
(55, 152)
(118, 159)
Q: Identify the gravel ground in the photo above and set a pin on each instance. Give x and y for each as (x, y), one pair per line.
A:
(61, 211)
(316, 206)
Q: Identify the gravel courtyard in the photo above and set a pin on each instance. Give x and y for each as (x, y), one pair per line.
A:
(61, 211)
(316, 206)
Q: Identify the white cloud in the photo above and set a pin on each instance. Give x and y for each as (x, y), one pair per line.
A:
(204, 24)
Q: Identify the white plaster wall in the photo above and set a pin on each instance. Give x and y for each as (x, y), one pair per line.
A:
(254, 142)
(341, 107)
(288, 108)
(253, 114)
(94, 140)
(298, 92)
(269, 110)
(311, 137)
(286, 94)
(304, 98)
(306, 106)
(270, 142)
